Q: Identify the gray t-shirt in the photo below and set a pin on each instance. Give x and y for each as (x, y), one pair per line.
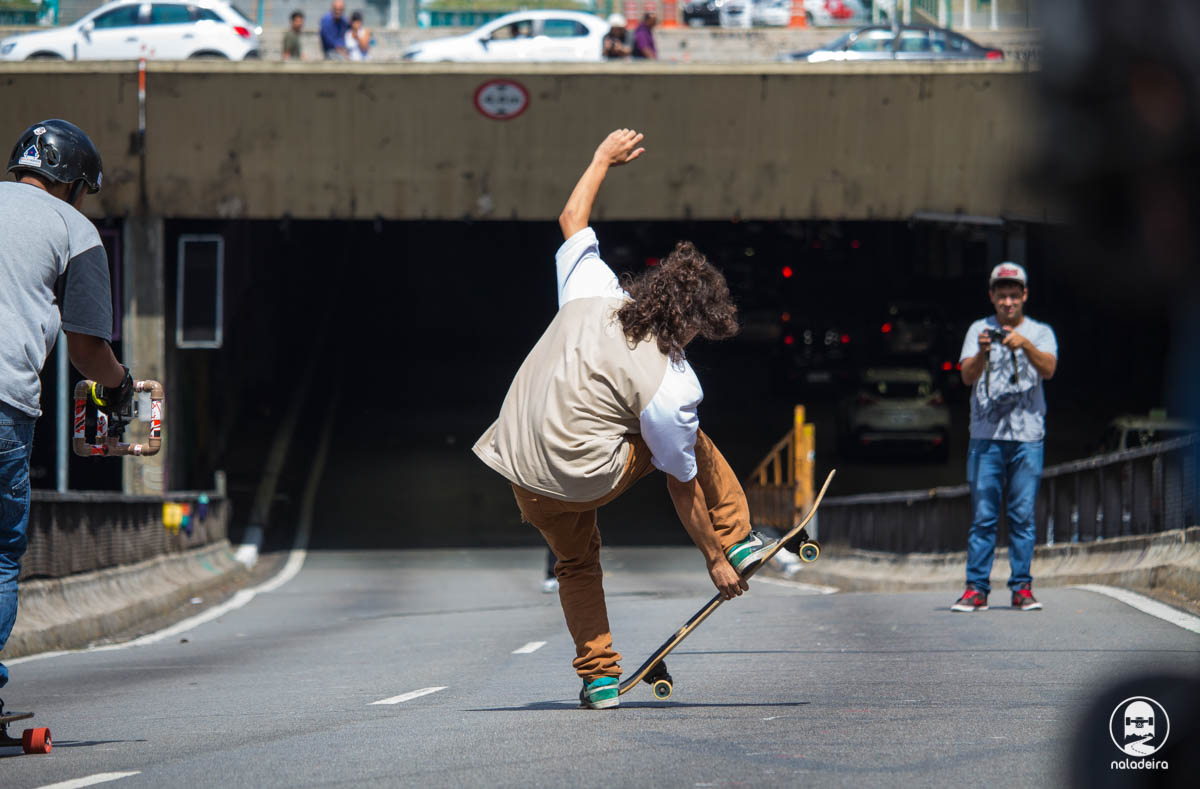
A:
(53, 270)
(1008, 403)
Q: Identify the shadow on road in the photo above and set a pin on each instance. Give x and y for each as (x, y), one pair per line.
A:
(574, 705)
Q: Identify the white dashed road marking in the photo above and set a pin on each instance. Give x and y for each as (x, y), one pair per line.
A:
(414, 694)
(532, 646)
(91, 780)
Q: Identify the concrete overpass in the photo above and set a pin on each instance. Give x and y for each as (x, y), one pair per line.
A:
(334, 141)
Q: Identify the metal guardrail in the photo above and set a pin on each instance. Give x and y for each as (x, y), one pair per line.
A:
(1137, 491)
(77, 532)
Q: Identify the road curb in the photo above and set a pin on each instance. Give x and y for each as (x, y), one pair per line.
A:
(80, 610)
(1168, 560)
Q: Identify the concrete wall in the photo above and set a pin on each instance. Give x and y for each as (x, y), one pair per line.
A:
(263, 140)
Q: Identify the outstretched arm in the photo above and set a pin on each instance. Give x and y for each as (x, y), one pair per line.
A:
(618, 148)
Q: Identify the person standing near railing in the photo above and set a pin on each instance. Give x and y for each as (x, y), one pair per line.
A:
(53, 271)
(1005, 359)
(605, 397)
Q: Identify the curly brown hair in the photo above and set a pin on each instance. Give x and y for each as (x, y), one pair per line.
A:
(683, 296)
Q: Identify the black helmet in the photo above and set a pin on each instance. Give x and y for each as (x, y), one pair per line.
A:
(60, 151)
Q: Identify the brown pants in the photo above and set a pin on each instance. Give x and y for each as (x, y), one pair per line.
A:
(569, 528)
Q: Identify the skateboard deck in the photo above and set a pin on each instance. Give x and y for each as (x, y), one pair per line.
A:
(31, 740)
(654, 670)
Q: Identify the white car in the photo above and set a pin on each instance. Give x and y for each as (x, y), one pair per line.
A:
(525, 36)
(736, 13)
(897, 407)
(772, 13)
(131, 29)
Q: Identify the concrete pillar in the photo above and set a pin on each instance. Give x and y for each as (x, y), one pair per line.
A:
(145, 338)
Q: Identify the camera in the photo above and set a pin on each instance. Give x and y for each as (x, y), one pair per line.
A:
(996, 335)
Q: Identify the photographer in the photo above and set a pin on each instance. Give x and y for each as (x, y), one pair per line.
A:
(1005, 358)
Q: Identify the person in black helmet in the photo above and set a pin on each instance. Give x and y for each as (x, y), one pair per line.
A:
(53, 271)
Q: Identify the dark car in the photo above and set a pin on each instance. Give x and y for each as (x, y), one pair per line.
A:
(699, 13)
(908, 42)
(814, 352)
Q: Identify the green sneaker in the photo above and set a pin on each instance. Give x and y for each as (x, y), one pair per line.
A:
(749, 552)
(601, 693)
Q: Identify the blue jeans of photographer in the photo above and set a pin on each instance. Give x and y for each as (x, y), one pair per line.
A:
(991, 467)
(16, 443)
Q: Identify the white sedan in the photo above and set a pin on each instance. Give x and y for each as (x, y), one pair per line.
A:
(525, 36)
(130, 29)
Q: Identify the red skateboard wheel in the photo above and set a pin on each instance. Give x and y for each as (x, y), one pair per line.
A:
(36, 740)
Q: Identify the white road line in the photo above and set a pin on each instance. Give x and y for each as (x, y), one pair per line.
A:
(294, 562)
(414, 694)
(91, 780)
(532, 646)
(815, 588)
(1146, 605)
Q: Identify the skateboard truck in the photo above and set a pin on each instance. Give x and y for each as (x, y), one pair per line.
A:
(97, 434)
(31, 741)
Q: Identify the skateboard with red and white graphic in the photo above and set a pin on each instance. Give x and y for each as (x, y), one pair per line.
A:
(98, 434)
(654, 670)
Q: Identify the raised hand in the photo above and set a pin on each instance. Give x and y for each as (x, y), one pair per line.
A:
(619, 148)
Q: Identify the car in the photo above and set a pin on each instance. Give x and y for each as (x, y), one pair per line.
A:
(909, 42)
(736, 13)
(132, 29)
(538, 36)
(702, 13)
(896, 408)
(772, 13)
(1133, 431)
(834, 12)
(814, 352)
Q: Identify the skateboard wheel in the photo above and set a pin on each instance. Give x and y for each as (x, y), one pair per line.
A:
(662, 689)
(810, 550)
(36, 741)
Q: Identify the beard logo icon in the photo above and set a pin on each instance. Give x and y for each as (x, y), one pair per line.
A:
(1139, 726)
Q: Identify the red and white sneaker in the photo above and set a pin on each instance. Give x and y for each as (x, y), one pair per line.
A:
(971, 600)
(1024, 600)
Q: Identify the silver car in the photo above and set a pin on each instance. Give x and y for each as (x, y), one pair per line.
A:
(896, 407)
(908, 42)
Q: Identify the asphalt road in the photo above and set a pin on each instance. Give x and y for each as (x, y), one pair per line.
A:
(782, 687)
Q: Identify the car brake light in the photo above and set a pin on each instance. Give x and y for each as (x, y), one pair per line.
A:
(947, 367)
(786, 272)
(241, 31)
(845, 339)
(995, 54)
(958, 366)
(789, 340)
(885, 328)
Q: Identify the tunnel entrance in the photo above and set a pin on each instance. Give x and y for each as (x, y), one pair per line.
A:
(421, 325)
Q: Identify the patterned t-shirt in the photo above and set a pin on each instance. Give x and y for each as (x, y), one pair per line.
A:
(1008, 402)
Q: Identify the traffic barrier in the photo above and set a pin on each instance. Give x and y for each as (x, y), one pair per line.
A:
(1142, 491)
(78, 532)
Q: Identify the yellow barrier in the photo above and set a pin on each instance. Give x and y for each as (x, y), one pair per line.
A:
(780, 489)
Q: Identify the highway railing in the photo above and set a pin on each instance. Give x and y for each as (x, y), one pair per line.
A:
(1138, 491)
(77, 532)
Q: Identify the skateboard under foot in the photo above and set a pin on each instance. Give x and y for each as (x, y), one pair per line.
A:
(31, 740)
(654, 670)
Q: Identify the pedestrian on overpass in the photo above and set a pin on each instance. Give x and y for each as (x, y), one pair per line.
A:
(53, 271)
(605, 397)
(332, 29)
(1005, 358)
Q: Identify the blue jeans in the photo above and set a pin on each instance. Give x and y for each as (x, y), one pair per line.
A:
(991, 464)
(16, 443)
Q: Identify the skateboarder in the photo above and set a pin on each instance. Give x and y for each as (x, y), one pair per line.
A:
(53, 269)
(604, 398)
